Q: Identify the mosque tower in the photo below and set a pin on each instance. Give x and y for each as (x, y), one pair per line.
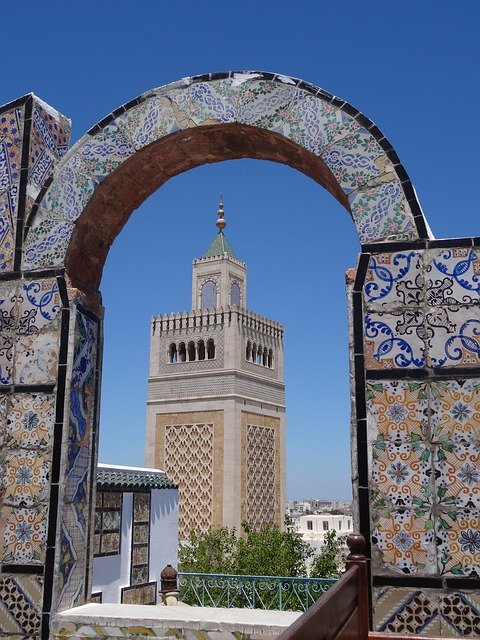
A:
(216, 400)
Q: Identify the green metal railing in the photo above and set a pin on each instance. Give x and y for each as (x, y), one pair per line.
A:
(251, 592)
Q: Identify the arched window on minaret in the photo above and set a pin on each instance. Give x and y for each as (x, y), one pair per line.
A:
(210, 349)
(248, 351)
(254, 353)
(209, 295)
(172, 352)
(235, 294)
(265, 357)
(182, 352)
(201, 350)
(191, 351)
(270, 358)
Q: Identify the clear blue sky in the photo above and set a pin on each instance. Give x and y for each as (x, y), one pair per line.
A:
(412, 67)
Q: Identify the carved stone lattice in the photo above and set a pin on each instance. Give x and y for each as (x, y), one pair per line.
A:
(261, 476)
(189, 463)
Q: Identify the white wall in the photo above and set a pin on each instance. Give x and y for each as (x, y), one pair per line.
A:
(163, 531)
(111, 573)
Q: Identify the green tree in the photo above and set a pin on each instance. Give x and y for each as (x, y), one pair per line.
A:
(212, 552)
(271, 551)
(268, 551)
(329, 562)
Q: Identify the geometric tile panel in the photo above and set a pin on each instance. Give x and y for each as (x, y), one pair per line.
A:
(425, 475)
(25, 535)
(421, 309)
(426, 612)
(20, 605)
(30, 420)
(26, 479)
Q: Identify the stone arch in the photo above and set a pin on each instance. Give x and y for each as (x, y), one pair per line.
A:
(404, 325)
(209, 118)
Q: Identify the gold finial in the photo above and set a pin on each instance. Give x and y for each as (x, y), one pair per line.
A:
(221, 224)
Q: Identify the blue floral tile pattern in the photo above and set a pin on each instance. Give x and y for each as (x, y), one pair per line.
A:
(7, 342)
(458, 541)
(104, 152)
(148, 122)
(47, 243)
(457, 479)
(455, 410)
(26, 479)
(453, 277)
(11, 133)
(30, 421)
(454, 336)
(394, 280)
(406, 540)
(39, 305)
(36, 358)
(25, 535)
(395, 340)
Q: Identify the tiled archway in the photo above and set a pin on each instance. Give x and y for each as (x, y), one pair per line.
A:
(414, 332)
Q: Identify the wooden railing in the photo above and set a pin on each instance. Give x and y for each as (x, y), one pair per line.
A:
(342, 612)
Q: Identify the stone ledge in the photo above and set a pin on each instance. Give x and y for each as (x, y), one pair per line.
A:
(155, 621)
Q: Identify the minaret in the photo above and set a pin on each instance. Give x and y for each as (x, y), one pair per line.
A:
(216, 400)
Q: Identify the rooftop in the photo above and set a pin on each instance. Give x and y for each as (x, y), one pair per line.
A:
(111, 476)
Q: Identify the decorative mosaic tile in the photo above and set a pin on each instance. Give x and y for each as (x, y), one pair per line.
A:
(458, 542)
(140, 574)
(395, 340)
(453, 336)
(141, 507)
(30, 420)
(36, 359)
(20, 611)
(455, 410)
(26, 479)
(382, 213)
(261, 103)
(399, 409)
(70, 579)
(401, 471)
(39, 305)
(3, 419)
(111, 519)
(148, 122)
(314, 123)
(140, 555)
(85, 354)
(80, 422)
(458, 474)
(25, 535)
(7, 342)
(78, 464)
(460, 614)
(11, 132)
(46, 243)
(140, 533)
(406, 611)
(201, 104)
(53, 130)
(357, 161)
(146, 594)
(112, 499)
(394, 280)
(8, 307)
(41, 163)
(453, 277)
(105, 151)
(110, 543)
(70, 191)
(406, 541)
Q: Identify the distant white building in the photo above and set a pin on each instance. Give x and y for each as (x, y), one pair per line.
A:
(313, 528)
(136, 533)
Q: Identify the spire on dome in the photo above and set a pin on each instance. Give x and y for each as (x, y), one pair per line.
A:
(221, 223)
(220, 244)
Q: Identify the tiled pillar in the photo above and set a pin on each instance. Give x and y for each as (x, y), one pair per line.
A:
(417, 374)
